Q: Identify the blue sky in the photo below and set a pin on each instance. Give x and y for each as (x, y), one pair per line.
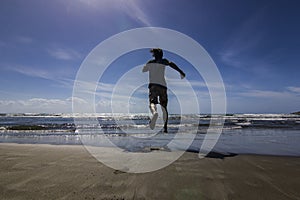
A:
(255, 45)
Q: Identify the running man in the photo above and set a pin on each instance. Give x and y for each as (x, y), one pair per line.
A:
(157, 85)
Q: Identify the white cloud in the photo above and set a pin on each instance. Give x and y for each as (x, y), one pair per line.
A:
(131, 8)
(58, 76)
(289, 92)
(77, 100)
(36, 105)
(134, 10)
(29, 71)
(294, 89)
(264, 93)
(238, 49)
(64, 53)
(263, 101)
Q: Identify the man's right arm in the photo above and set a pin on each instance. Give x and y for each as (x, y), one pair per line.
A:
(146, 68)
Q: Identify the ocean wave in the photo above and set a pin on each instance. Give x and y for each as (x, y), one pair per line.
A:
(66, 123)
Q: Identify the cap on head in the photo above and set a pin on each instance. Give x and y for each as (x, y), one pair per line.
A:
(157, 53)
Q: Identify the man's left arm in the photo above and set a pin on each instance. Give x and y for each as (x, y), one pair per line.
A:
(174, 66)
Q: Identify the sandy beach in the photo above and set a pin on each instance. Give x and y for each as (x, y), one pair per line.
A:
(30, 171)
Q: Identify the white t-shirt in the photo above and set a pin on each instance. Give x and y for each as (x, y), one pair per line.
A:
(156, 72)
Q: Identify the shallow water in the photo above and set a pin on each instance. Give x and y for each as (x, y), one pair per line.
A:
(241, 134)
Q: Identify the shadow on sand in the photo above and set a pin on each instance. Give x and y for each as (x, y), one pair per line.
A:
(214, 154)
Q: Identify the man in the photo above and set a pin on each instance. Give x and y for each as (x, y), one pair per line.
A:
(157, 85)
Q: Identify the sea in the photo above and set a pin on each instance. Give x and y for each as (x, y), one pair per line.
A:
(264, 134)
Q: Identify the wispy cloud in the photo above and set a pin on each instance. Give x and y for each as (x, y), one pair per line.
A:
(265, 101)
(135, 11)
(58, 76)
(29, 71)
(240, 46)
(36, 105)
(294, 89)
(266, 94)
(64, 53)
(250, 91)
(131, 8)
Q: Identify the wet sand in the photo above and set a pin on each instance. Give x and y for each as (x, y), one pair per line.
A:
(70, 172)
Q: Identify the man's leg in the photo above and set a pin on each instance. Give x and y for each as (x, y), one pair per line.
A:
(153, 110)
(153, 101)
(165, 117)
(163, 99)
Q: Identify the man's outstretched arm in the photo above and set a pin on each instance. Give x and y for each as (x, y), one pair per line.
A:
(145, 68)
(174, 66)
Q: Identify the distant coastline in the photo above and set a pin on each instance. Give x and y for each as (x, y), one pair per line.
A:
(296, 113)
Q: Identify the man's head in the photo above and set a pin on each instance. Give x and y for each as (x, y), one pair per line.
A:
(157, 53)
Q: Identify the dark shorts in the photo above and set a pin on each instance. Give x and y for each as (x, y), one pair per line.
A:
(156, 91)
